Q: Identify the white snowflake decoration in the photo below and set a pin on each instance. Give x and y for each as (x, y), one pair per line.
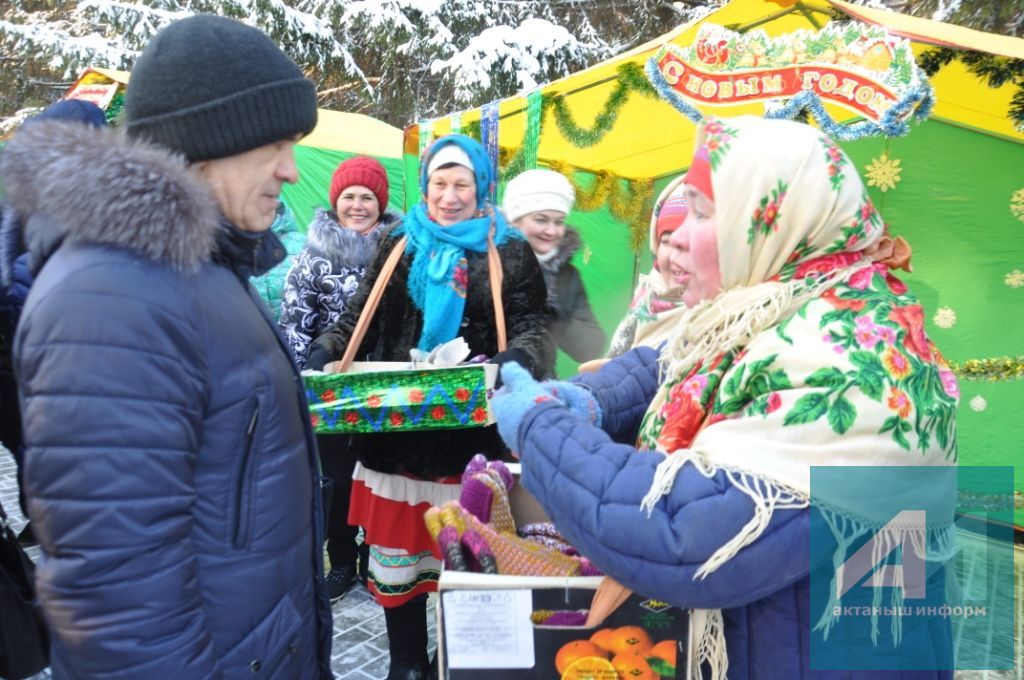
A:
(1014, 279)
(1017, 204)
(979, 403)
(944, 317)
(883, 172)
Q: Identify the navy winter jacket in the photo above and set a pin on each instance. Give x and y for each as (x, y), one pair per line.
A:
(591, 482)
(171, 469)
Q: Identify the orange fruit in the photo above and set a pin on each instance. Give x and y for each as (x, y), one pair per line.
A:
(603, 638)
(590, 668)
(575, 650)
(630, 639)
(666, 651)
(632, 665)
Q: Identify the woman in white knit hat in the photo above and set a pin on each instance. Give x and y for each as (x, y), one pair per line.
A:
(537, 203)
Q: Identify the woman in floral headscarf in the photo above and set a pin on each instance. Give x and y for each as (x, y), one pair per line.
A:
(657, 301)
(798, 349)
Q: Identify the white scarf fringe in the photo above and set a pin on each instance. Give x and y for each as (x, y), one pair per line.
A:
(707, 634)
(846, 530)
(707, 644)
(767, 498)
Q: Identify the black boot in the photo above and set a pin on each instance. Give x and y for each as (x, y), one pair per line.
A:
(407, 640)
(364, 563)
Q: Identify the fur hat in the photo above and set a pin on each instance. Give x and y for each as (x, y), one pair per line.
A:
(535, 191)
(362, 171)
(210, 87)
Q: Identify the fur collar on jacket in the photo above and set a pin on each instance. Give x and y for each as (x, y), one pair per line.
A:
(344, 246)
(571, 242)
(97, 186)
(10, 244)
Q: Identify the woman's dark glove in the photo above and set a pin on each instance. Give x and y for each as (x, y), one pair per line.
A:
(512, 354)
(318, 358)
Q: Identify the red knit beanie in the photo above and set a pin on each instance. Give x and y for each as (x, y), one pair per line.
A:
(362, 171)
(671, 213)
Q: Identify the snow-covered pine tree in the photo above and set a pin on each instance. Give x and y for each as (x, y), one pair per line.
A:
(398, 60)
(44, 45)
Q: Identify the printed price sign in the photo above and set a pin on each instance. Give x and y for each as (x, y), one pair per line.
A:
(488, 628)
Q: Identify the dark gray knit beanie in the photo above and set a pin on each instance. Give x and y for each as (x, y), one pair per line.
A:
(210, 87)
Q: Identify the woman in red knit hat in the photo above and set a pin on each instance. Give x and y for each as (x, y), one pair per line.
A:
(340, 244)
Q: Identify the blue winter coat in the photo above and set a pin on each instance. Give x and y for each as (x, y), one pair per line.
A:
(591, 482)
(171, 470)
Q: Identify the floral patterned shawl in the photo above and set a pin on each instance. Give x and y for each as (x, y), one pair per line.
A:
(813, 354)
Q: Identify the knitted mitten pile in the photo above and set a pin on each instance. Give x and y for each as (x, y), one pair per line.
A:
(477, 532)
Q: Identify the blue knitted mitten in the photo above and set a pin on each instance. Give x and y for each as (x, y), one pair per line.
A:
(580, 400)
(518, 394)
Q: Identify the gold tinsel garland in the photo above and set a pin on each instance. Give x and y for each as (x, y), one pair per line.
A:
(991, 370)
(628, 201)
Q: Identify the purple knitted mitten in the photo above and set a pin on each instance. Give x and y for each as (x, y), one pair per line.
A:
(481, 557)
(448, 539)
(567, 618)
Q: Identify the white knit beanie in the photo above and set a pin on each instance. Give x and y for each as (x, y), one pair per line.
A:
(537, 190)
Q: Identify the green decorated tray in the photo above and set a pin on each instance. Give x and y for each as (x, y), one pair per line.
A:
(389, 397)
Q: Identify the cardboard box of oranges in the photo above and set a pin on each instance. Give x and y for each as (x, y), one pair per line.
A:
(484, 630)
(486, 626)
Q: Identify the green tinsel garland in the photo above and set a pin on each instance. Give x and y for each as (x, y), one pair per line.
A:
(991, 370)
(115, 109)
(631, 79)
(472, 130)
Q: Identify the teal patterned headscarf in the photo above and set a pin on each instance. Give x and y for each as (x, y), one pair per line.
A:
(439, 275)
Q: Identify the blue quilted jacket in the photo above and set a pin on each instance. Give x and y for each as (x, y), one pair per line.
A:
(591, 482)
(170, 466)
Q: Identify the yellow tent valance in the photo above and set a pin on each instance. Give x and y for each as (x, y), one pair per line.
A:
(651, 139)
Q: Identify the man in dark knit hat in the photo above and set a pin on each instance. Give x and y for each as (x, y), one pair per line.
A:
(171, 470)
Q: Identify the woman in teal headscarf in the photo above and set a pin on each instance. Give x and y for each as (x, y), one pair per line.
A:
(439, 290)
